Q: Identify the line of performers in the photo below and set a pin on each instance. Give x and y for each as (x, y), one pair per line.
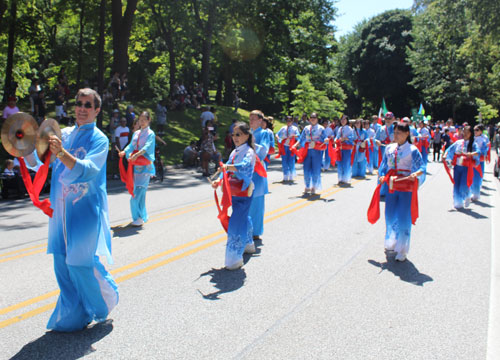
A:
(396, 148)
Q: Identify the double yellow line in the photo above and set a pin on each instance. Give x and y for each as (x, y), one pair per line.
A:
(285, 210)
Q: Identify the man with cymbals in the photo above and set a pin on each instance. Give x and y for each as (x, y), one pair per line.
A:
(79, 230)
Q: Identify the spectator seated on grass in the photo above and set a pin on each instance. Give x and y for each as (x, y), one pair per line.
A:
(190, 155)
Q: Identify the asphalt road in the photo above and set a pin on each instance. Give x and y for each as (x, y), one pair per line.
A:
(319, 287)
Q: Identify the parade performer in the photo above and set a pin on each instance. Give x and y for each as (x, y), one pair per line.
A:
(79, 230)
(261, 144)
(286, 138)
(344, 144)
(240, 167)
(361, 151)
(463, 155)
(267, 125)
(140, 153)
(384, 137)
(483, 145)
(422, 141)
(312, 144)
(402, 168)
(375, 126)
(326, 159)
(372, 148)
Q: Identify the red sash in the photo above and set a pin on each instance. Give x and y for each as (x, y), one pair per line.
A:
(488, 156)
(407, 185)
(36, 186)
(127, 176)
(332, 153)
(467, 162)
(259, 168)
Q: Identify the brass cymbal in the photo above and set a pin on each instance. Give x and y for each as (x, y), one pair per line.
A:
(48, 128)
(19, 134)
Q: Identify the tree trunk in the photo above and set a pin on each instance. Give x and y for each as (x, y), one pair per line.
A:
(8, 88)
(171, 59)
(218, 95)
(228, 81)
(206, 47)
(100, 73)
(121, 27)
(80, 45)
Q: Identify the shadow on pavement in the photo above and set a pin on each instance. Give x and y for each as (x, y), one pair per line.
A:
(225, 281)
(482, 204)
(68, 346)
(125, 231)
(469, 212)
(405, 270)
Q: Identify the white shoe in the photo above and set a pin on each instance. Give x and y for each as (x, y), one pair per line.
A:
(250, 248)
(313, 191)
(235, 266)
(467, 202)
(138, 222)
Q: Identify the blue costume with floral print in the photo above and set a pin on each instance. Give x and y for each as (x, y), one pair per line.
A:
(406, 159)
(79, 231)
(239, 231)
(262, 143)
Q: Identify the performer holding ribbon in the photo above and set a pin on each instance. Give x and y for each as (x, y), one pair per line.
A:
(483, 146)
(423, 138)
(286, 138)
(402, 168)
(261, 144)
(361, 153)
(328, 157)
(312, 144)
(384, 137)
(140, 153)
(268, 127)
(344, 144)
(464, 156)
(240, 167)
(79, 230)
(372, 148)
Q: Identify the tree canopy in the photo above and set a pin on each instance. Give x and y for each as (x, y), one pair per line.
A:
(279, 55)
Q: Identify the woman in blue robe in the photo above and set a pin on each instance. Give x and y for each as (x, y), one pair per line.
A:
(361, 142)
(372, 147)
(345, 144)
(285, 136)
(312, 135)
(462, 153)
(404, 160)
(240, 166)
(142, 144)
(482, 143)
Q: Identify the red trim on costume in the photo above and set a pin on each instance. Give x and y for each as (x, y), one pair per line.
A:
(226, 199)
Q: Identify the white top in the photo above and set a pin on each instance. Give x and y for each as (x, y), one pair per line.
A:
(122, 133)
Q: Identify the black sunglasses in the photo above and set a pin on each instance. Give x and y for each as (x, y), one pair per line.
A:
(87, 105)
(237, 134)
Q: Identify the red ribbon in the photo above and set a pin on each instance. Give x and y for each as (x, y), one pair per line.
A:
(34, 188)
(259, 168)
(447, 168)
(467, 162)
(127, 176)
(226, 199)
(488, 156)
(332, 153)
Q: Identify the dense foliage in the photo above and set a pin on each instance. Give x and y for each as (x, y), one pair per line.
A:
(281, 55)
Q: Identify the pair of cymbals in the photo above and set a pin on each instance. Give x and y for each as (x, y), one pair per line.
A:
(21, 135)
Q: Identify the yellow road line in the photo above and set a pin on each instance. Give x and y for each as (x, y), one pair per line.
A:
(21, 250)
(23, 255)
(151, 267)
